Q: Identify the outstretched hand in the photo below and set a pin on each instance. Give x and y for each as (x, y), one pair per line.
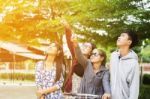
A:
(66, 25)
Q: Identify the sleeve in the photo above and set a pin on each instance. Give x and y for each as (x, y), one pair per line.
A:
(80, 58)
(59, 83)
(106, 82)
(134, 87)
(38, 79)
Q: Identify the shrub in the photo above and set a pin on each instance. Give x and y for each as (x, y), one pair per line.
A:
(144, 92)
(146, 79)
(17, 76)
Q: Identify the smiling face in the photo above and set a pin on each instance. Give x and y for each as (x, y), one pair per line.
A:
(86, 48)
(97, 56)
(124, 40)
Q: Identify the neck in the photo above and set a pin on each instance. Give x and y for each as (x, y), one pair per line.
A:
(50, 60)
(124, 51)
(97, 65)
(86, 56)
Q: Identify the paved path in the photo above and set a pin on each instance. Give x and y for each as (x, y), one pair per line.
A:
(17, 92)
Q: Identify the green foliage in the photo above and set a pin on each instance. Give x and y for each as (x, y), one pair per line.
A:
(144, 92)
(146, 79)
(29, 19)
(145, 88)
(145, 53)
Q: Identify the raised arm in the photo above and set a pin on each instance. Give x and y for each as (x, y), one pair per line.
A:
(79, 56)
(68, 32)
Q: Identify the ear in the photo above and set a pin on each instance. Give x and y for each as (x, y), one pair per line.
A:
(129, 42)
(102, 58)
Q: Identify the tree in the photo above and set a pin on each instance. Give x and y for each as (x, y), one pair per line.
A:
(101, 21)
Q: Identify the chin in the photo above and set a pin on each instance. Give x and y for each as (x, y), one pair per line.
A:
(118, 44)
(92, 61)
(85, 53)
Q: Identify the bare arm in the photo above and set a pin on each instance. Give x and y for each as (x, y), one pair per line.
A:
(68, 32)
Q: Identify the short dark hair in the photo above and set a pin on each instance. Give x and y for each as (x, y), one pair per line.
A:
(132, 36)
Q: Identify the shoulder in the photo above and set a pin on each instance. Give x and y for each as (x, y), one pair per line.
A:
(39, 64)
(134, 59)
(105, 69)
(134, 63)
(115, 53)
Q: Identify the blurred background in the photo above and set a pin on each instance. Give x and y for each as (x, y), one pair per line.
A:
(28, 26)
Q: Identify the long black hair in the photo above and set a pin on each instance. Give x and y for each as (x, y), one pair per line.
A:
(59, 60)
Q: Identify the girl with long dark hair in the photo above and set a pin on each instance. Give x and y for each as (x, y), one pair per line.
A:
(49, 77)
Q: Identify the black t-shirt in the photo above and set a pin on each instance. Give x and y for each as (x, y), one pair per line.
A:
(78, 70)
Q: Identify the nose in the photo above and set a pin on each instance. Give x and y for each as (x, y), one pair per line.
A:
(119, 37)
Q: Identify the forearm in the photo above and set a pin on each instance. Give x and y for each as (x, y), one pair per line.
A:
(106, 82)
(68, 38)
(50, 90)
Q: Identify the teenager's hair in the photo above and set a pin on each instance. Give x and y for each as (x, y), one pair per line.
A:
(103, 54)
(132, 36)
(59, 60)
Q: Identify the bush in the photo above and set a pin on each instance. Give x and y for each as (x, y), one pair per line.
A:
(18, 76)
(146, 79)
(146, 59)
(144, 92)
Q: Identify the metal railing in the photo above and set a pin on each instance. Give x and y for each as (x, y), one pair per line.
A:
(81, 96)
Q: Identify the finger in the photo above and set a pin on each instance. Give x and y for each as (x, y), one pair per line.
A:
(107, 97)
(103, 97)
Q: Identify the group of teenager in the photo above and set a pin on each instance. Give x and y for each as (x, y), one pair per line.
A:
(118, 81)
